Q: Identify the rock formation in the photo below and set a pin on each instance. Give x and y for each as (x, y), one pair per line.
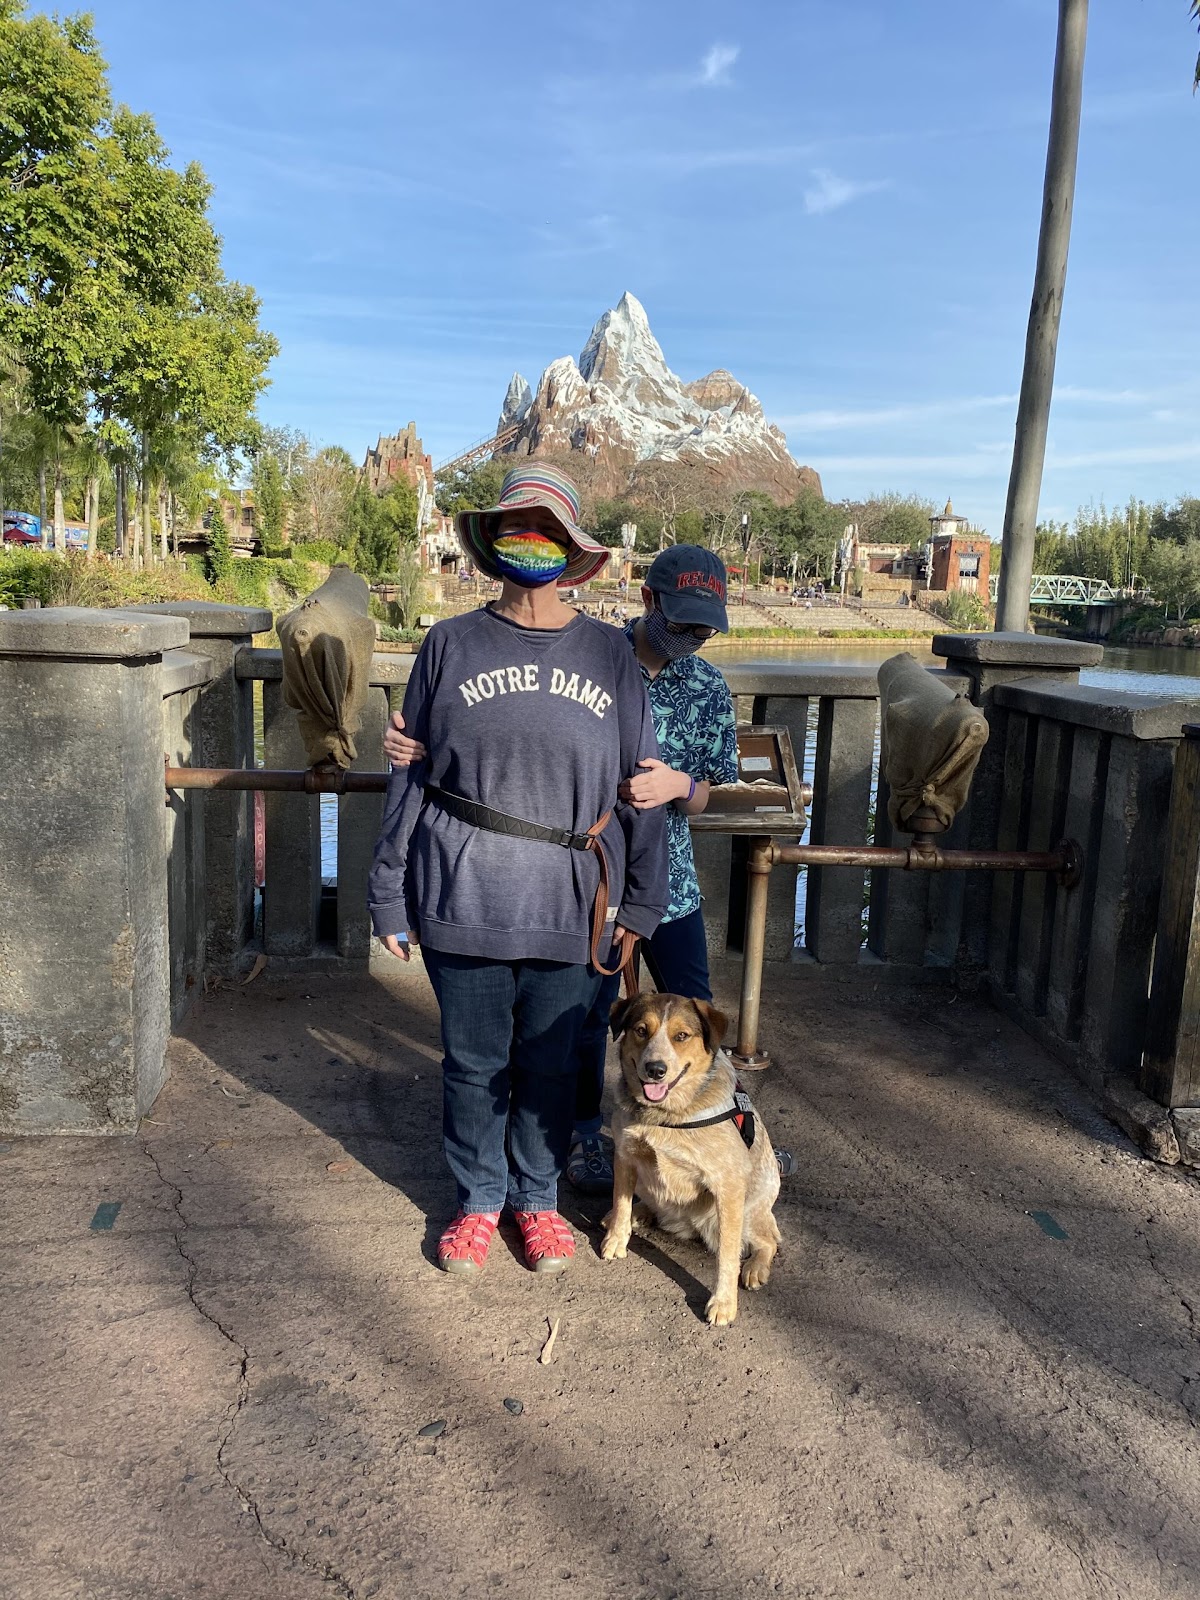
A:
(624, 407)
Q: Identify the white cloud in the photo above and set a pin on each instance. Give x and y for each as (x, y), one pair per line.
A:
(829, 192)
(822, 421)
(714, 69)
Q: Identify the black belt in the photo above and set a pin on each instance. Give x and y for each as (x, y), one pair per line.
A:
(476, 815)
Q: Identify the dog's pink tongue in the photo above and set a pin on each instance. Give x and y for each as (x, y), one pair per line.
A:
(655, 1091)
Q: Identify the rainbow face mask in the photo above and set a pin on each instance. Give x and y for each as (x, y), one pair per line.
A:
(530, 557)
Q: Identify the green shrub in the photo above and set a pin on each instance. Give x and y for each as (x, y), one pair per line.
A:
(965, 612)
(73, 580)
(400, 635)
(322, 550)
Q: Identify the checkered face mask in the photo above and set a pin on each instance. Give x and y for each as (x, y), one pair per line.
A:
(671, 646)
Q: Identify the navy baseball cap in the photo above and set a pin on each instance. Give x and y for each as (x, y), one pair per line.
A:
(690, 584)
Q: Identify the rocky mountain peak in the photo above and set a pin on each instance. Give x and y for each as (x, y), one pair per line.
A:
(517, 400)
(622, 405)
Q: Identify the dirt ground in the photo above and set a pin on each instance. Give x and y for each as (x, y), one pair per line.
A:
(221, 1394)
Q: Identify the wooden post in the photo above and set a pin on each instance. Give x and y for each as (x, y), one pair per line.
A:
(1171, 1066)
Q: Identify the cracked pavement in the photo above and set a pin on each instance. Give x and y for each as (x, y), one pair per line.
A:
(221, 1395)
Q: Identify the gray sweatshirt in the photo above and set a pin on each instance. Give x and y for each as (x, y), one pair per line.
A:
(542, 724)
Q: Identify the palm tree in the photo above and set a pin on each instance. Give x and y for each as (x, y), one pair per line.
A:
(1045, 312)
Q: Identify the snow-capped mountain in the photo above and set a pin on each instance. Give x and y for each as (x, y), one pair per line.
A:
(622, 406)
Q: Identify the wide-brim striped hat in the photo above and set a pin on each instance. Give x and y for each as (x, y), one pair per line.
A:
(532, 484)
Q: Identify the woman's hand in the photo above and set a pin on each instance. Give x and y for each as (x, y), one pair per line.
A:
(400, 750)
(655, 787)
(396, 946)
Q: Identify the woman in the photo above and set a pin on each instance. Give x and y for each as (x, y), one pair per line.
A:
(684, 599)
(494, 854)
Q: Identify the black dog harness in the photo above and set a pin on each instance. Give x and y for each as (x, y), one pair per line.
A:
(740, 1113)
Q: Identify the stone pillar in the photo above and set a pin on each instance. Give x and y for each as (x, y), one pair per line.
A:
(225, 738)
(987, 660)
(84, 963)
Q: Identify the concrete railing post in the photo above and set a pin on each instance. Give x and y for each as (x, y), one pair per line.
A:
(988, 660)
(225, 739)
(84, 979)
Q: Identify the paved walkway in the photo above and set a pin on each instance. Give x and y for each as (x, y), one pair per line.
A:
(974, 1374)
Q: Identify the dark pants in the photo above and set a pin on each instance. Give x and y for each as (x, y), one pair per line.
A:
(680, 953)
(510, 1031)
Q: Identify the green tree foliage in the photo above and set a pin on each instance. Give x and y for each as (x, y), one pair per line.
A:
(111, 291)
(376, 526)
(267, 481)
(1179, 523)
(408, 579)
(807, 531)
(893, 519)
(469, 488)
(1173, 576)
(219, 558)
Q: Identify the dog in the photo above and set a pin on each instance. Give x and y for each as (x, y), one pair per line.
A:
(706, 1182)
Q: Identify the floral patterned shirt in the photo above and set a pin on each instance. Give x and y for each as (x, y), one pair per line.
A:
(697, 734)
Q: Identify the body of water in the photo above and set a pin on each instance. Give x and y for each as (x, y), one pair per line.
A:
(1165, 670)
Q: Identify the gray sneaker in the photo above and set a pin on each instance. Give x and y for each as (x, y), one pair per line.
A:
(590, 1164)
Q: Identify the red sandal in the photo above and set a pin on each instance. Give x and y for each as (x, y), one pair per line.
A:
(549, 1242)
(463, 1247)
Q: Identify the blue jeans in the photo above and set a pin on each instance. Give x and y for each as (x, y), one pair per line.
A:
(510, 1031)
(680, 952)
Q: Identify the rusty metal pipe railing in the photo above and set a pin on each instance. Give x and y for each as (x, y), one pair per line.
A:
(1065, 861)
(313, 780)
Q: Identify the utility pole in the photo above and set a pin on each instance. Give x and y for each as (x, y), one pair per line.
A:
(1045, 313)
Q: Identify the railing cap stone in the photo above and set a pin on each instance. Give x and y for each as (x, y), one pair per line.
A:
(1018, 650)
(1135, 716)
(208, 619)
(86, 632)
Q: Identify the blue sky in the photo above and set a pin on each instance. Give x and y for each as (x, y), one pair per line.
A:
(836, 200)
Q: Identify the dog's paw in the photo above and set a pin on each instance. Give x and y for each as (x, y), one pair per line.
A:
(613, 1246)
(643, 1217)
(755, 1273)
(721, 1310)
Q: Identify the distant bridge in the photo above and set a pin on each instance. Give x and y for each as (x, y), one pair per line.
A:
(1059, 589)
(476, 452)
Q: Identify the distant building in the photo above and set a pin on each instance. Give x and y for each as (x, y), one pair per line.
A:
(402, 456)
(961, 556)
(238, 516)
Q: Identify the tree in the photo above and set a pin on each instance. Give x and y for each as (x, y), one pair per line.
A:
(1173, 574)
(808, 530)
(57, 281)
(327, 486)
(408, 579)
(218, 561)
(267, 481)
(1178, 523)
(668, 488)
(377, 526)
(892, 519)
(470, 488)
(111, 290)
(1195, 14)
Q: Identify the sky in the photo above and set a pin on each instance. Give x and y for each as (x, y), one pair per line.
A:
(836, 200)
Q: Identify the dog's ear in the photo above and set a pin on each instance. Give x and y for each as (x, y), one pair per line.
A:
(618, 1016)
(713, 1023)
